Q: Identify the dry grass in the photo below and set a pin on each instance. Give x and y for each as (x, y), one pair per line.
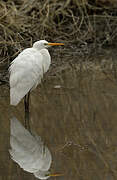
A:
(80, 22)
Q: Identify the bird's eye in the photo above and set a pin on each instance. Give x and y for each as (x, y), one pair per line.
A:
(45, 44)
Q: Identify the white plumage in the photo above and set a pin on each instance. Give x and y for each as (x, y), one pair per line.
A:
(29, 151)
(27, 69)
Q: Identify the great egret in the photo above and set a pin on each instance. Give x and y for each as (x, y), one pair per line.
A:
(29, 151)
(26, 72)
(27, 69)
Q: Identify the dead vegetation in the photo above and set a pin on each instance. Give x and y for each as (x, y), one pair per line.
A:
(82, 22)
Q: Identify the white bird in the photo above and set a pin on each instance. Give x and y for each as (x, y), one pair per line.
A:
(27, 69)
(29, 151)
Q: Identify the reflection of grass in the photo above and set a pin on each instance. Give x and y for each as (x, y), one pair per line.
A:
(79, 22)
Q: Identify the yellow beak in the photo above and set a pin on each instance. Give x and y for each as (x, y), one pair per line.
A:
(56, 44)
(56, 175)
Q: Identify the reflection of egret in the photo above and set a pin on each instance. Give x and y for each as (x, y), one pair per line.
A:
(29, 151)
(27, 69)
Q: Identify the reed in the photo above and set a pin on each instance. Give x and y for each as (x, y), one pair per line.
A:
(81, 22)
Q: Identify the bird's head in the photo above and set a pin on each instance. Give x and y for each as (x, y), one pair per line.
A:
(45, 174)
(42, 44)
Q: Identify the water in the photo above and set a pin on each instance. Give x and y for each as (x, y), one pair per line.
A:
(75, 113)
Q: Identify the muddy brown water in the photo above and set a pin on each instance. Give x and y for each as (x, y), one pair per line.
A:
(75, 113)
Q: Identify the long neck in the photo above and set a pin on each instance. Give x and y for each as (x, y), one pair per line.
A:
(46, 59)
(41, 174)
(38, 48)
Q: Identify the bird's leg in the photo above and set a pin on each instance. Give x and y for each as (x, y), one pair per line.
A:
(27, 111)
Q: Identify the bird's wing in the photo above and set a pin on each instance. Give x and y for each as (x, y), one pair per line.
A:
(26, 71)
(26, 149)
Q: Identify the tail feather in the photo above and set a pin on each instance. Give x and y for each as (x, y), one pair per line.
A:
(17, 94)
(22, 134)
(14, 97)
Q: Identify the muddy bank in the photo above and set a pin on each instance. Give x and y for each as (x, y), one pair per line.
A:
(87, 28)
(76, 23)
